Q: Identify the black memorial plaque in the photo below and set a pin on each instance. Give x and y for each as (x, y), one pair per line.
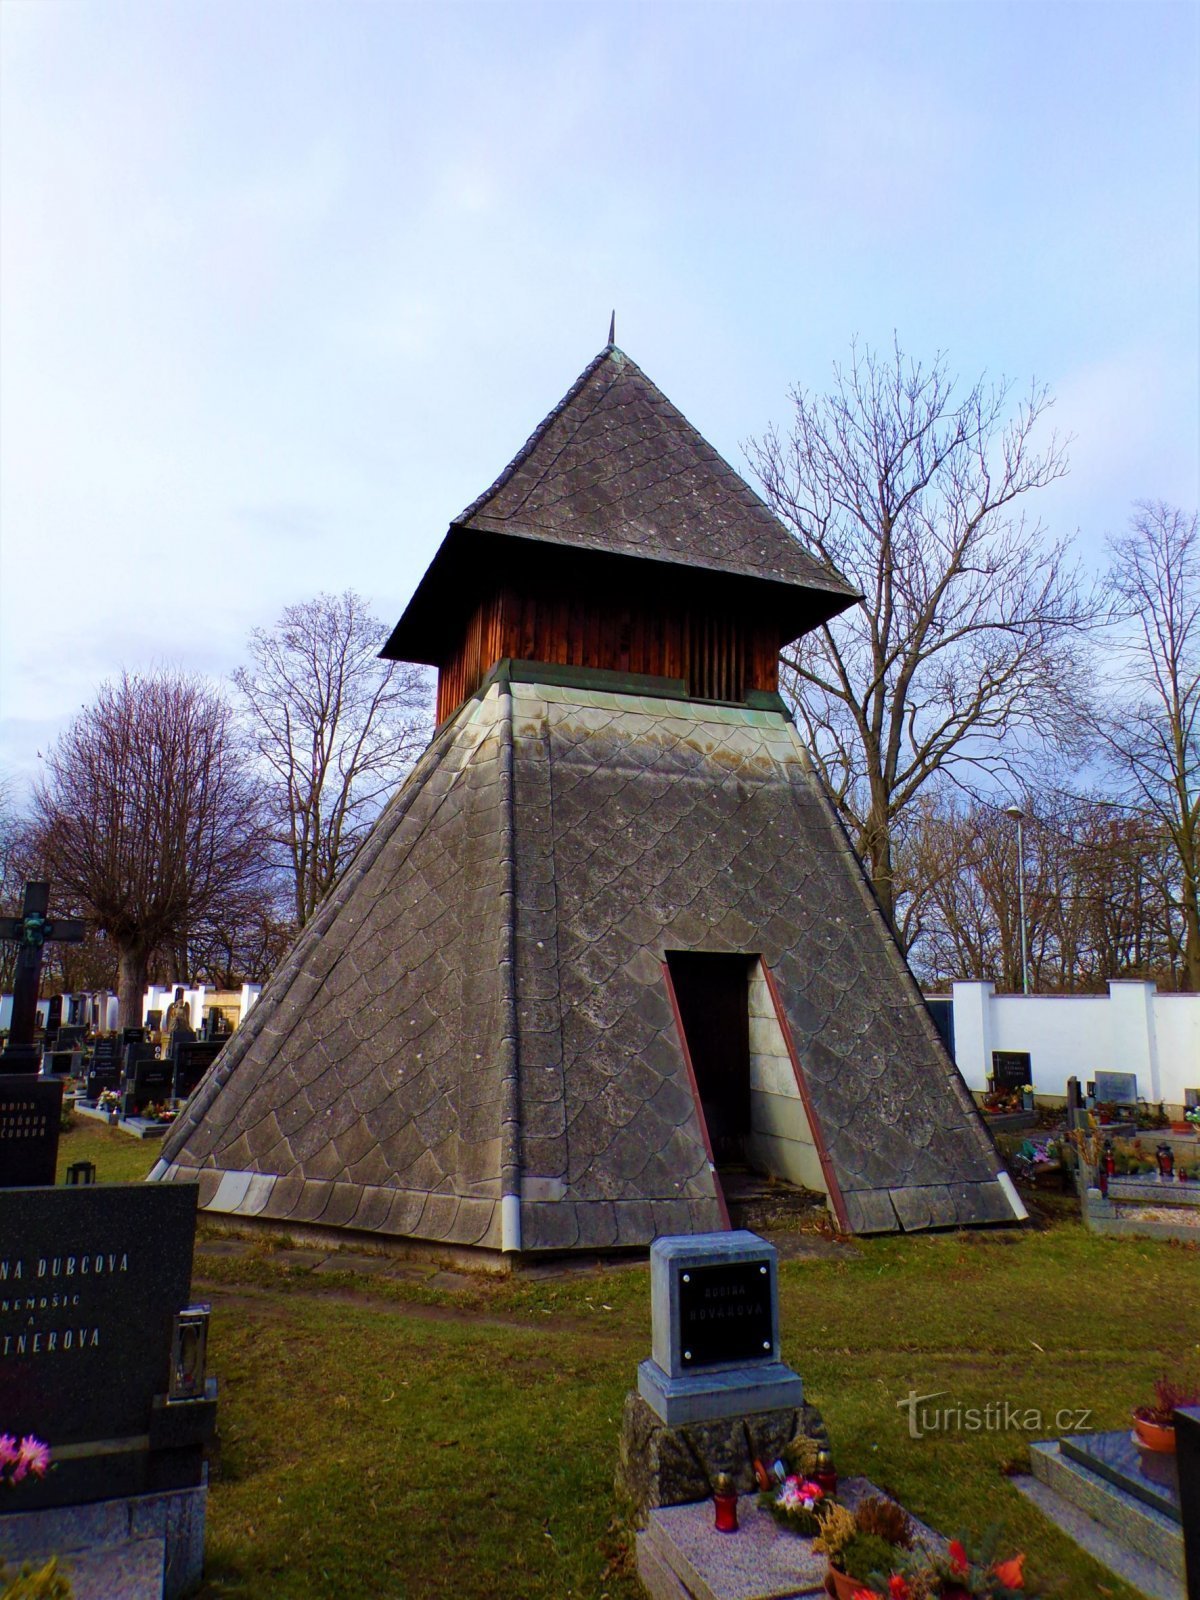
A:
(30, 1111)
(91, 1279)
(1011, 1070)
(724, 1313)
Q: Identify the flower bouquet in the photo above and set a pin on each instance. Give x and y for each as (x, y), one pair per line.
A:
(797, 1503)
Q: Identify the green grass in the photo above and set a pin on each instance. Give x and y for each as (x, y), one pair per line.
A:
(397, 1442)
(118, 1158)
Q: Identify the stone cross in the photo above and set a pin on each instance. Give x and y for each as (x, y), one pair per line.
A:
(30, 931)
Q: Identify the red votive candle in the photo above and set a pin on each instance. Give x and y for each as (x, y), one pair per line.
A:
(725, 1503)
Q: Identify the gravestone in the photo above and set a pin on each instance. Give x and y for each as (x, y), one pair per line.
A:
(54, 1011)
(1117, 1088)
(1011, 1071)
(94, 1303)
(29, 1116)
(148, 1081)
(1187, 1451)
(104, 1071)
(714, 1395)
(1191, 1099)
(30, 1109)
(192, 1059)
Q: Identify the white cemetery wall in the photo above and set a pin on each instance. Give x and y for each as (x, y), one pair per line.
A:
(1130, 1029)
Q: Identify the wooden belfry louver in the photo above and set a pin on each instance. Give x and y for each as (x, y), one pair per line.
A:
(608, 938)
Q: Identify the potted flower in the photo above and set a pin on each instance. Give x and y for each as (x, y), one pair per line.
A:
(110, 1102)
(1154, 1425)
(954, 1575)
(29, 1458)
(1027, 1094)
(860, 1544)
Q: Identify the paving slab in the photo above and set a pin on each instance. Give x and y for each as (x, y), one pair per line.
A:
(762, 1561)
(222, 1247)
(453, 1280)
(303, 1260)
(132, 1571)
(1155, 1582)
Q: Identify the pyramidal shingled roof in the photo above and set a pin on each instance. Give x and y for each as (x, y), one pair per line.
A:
(616, 467)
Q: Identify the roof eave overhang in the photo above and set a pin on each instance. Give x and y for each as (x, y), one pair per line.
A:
(470, 560)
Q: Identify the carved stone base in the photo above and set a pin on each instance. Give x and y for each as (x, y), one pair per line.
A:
(661, 1466)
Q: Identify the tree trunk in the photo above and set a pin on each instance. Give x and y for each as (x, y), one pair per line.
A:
(132, 969)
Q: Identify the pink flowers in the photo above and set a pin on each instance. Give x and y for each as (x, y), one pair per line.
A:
(17, 1461)
(799, 1494)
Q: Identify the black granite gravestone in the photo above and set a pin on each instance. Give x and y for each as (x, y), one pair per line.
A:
(148, 1081)
(54, 1011)
(29, 1136)
(104, 1071)
(1187, 1452)
(91, 1280)
(1011, 1071)
(193, 1057)
(30, 1110)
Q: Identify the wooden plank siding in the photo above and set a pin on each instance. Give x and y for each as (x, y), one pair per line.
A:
(720, 656)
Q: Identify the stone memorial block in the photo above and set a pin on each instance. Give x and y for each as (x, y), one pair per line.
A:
(715, 1329)
(192, 1059)
(30, 1111)
(1011, 1070)
(1117, 1088)
(92, 1279)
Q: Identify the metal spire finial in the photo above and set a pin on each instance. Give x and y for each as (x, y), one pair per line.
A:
(612, 328)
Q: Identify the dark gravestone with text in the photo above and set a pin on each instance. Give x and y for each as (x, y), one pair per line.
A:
(91, 1279)
(193, 1057)
(104, 1071)
(30, 1109)
(1011, 1071)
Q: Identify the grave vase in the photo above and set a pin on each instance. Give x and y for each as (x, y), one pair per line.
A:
(844, 1588)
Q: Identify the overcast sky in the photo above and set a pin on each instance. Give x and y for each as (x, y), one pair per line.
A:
(285, 285)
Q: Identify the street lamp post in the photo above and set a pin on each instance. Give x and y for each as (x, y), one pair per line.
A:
(1018, 816)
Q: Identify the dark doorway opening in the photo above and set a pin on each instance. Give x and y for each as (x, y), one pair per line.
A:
(713, 996)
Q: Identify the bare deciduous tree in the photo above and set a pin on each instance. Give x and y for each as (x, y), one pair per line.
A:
(968, 627)
(335, 729)
(147, 815)
(1150, 725)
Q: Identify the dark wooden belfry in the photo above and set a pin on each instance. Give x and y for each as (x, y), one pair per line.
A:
(618, 541)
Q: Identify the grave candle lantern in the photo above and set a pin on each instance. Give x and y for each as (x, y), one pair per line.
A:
(725, 1502)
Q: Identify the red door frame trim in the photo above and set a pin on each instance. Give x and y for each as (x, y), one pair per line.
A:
(691, 1072)
(831, 1183)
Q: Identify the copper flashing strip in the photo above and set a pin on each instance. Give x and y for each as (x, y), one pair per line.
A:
(510, 1125)
(814, 1124)
(695, 1087)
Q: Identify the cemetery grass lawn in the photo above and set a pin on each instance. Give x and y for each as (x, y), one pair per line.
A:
(118, 1158)
(396, 1441)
